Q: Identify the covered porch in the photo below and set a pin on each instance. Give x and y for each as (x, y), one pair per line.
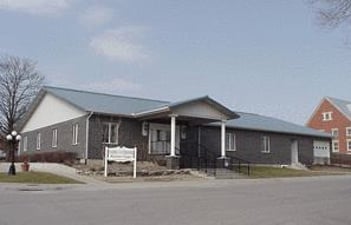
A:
(174, 130)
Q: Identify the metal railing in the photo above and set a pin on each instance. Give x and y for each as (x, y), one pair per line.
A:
(239, 165)
(198, 156)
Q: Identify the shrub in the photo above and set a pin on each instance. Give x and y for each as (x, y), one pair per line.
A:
(52, 157)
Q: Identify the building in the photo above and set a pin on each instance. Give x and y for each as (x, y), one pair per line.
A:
(177, 134)
(333, 115)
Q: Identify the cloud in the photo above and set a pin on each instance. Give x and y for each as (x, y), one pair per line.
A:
(35, 6)
(95, 16)
(113, 86)
(120, 44)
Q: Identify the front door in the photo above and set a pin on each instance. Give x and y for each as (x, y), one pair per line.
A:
(294, 152)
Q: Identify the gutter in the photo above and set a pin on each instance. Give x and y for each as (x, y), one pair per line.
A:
(87, 136)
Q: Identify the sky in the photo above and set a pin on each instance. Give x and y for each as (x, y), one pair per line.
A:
(267, 57)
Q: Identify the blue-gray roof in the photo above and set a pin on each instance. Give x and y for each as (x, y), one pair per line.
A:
(264, 123)
(127, 106)
(343, 105)
(104, 103)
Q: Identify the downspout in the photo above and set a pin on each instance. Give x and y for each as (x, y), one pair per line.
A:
(87, 136)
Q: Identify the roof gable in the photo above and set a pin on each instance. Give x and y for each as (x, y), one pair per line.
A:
(342, 105)
(51, 110)
(203, 107)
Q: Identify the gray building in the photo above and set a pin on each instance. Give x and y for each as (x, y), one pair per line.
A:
(181, 134)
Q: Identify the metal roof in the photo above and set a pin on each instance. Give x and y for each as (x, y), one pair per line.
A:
(104, 103)
(252, 121)
(128, 106)
(343, 105)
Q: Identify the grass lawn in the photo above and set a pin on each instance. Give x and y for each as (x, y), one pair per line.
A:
(36, 178)
(271, 172)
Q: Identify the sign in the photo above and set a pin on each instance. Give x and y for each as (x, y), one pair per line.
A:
(121, 154)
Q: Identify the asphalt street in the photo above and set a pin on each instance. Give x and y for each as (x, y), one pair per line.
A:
(300, 201)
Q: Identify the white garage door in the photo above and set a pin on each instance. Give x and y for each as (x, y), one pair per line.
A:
(321, 149)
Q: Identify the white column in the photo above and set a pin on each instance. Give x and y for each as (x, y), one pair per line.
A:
(173, 135)
(223, 139)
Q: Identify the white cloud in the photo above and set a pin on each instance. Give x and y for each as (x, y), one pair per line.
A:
(112, 86)
(96, 16)
(35, 6)
(120, 44)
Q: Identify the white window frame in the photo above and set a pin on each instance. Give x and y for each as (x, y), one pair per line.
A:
(230, 141)
(348, 145)
(333, 146)
(25, 144)
(348, 131)
(266, 144)
(38, 141)
(75, 132)
(109, 132)
(333, 131)
(327, 116)
(54, 138)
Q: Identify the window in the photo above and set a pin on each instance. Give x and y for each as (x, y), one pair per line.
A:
(266, 144)
(54, 138)
(38, 141)
(335, 132)
(327, 116)
(348, 131)
(25, 144)
(348, 143)
(335, 146)
(110, 133)
(75, 129)
(230, 144)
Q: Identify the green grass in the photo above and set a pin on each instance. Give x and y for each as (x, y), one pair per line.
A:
(272, 172)
(36, 178)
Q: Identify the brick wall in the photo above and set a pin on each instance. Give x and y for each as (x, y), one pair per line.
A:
(64, 138)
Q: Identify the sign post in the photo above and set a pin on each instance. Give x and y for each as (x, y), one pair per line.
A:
(121, 154)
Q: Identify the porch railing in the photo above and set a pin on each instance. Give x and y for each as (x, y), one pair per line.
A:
(198, 156)
(162, 147)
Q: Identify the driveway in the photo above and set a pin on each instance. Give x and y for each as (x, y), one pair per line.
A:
(289, 201)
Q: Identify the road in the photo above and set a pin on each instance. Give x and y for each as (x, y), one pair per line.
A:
(300, 201)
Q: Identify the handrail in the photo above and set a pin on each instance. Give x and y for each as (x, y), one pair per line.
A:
(239, 165)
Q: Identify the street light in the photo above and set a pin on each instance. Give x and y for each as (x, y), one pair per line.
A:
(13, 138)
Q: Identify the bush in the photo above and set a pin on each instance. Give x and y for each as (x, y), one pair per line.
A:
(52, 157)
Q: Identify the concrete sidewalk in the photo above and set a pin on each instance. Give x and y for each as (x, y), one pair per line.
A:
(55, 168)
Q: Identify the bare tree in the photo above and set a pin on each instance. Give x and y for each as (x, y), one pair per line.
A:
(333, 13)
(19, 83)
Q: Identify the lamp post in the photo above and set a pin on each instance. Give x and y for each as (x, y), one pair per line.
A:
(13, 138)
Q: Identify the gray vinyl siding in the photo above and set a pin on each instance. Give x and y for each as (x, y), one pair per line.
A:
(249, 146)
(64, 138)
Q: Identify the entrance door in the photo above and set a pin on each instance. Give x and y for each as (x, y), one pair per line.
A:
(294, 152)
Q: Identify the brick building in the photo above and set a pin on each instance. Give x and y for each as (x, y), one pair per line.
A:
(179, 133)
(333, 115)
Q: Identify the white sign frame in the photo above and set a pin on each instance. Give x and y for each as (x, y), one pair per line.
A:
(120, 154)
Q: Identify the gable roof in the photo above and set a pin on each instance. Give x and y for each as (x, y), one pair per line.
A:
(175, 105)
(250, 121)
(130, 107)
(104, 103)
(343, 106)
